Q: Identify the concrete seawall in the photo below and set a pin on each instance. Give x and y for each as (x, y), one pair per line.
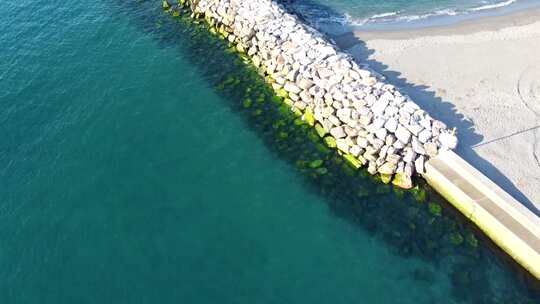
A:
(368, 121)
(506, 221)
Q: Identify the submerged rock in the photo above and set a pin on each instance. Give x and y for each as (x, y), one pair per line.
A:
(308, 117)
(330, 142)
(386, 178)
(166, 5)
(320, 130)
(353, 161)
(435, 209)
(316, 163)
(456, 238)
(471, 240)
(419, 194)
(403, 181)
(368, 119)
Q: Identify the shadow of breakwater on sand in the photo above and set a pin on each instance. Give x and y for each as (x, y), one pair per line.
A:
(413, 224)
(333, 24)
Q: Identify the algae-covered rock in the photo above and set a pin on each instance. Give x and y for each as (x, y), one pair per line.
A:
(419, 194)
(279, 124)
(284, 109)
(209, 20)
(321, 171)
(299, 122)
(283, 135)
(403, 181)
(176, 13)
(320, 130)
(261, 99)
(166, 5)
(435, 209)
(223, 32)
(297, 112)
(245, 59)
(316, 163)
(471, 240)
(353, 161)
(288, 102)
(282, 93)
(386, 178)
(330, 141)
(247, 103)
(240, 48)
(308, 117)
(277, 99)
(322, 148)
(456, 238)
(348, 169)
(312, 135)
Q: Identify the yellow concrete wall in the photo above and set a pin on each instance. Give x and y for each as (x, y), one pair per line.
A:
(506, 221)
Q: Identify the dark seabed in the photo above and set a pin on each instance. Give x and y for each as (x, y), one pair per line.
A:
(143, 162)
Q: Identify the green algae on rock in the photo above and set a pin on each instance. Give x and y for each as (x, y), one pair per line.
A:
(308, 117)
(166, 5)
(353, 161)
(316, 163)
(337, 92)
(435, 209)
(386, 178)
(456, 238)
(419, 194)
(422, 235)
(330, 141)
(402, 181)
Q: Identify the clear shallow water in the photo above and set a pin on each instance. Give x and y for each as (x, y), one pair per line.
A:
(133, 170)
(399, 14)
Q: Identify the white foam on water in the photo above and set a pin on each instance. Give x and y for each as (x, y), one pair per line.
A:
(400, 16)
(492, 6)
(384, 15)
(443, 12)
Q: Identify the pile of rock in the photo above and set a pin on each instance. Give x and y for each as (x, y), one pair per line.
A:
(367, 120)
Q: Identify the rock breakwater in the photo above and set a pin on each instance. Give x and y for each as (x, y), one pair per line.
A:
(370, 122)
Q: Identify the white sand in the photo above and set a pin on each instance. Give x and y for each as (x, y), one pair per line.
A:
(482, 77)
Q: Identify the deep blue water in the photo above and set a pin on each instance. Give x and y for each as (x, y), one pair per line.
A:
(143, 162)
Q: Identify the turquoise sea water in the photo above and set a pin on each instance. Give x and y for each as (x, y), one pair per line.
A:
(398, 14)
(141, 162)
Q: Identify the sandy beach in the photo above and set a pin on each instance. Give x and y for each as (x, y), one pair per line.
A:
(482, 77)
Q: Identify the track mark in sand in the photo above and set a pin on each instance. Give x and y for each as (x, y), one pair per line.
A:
(528, 89)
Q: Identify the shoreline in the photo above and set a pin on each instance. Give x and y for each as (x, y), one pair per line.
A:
(481, 76)
(450, 19)
(486, 23)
